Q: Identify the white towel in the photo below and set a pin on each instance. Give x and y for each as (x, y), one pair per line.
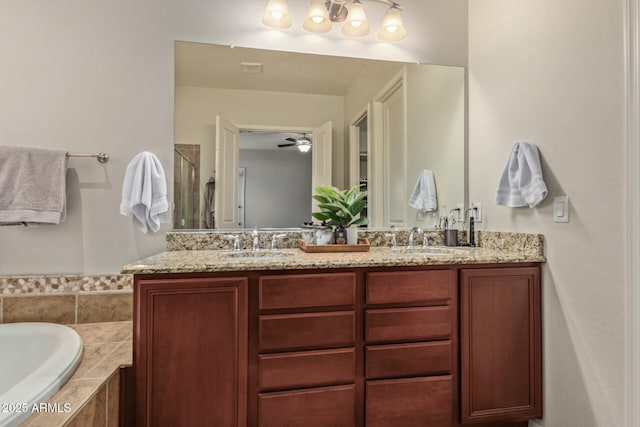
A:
(144, 192)
(424, 196)
(32, 185)
(522, 183)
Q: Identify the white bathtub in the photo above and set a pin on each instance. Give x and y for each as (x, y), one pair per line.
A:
(36, 359)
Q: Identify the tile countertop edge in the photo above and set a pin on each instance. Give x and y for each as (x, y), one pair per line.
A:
(107, 346)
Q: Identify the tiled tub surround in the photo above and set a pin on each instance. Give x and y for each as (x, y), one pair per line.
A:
(66, 298)
(93, 390)
(211, 239)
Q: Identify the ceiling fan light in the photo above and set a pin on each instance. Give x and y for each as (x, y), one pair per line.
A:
(277, 14)
(392, 28)
(356, 25)
(317, 19)
(304, 148)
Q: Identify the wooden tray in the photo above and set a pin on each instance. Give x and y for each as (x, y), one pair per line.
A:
(362, 246)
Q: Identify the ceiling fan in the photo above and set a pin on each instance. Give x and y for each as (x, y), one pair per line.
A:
(303, 143)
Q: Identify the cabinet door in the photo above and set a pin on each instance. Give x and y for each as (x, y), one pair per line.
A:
(190, 352)
(501, 344)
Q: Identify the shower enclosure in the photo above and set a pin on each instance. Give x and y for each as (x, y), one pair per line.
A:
(186, 188)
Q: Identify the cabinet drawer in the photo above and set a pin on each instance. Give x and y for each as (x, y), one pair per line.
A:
(408, 360)
(410, 402)
(307, 290)
(320, 407)
(432, 286)
(398, 324)
(306, 369)
(308, 330)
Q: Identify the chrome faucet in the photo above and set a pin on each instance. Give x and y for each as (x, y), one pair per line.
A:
(256, 241)
(274, 241)
(394, 240)
(414, 230)
(236, 242)
(425, 239)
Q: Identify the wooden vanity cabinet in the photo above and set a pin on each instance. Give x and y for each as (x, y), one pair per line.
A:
(190, 351)
(437, 346)
(500, 343)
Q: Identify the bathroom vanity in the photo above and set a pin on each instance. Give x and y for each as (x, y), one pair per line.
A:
(368, 339)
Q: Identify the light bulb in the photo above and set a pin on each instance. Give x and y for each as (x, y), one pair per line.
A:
(304, 148)
(356, 25)
(317, 19)
(277, 14)
(392, 28)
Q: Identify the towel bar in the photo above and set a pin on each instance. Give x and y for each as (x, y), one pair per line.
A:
(101, 157)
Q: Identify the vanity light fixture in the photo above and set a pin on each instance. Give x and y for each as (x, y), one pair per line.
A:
(322, 13)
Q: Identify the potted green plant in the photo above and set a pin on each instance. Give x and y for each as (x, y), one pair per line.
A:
(341, 207)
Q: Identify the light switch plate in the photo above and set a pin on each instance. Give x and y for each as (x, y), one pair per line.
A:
(561, 209)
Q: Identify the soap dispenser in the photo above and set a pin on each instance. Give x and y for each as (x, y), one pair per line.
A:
(341, 234)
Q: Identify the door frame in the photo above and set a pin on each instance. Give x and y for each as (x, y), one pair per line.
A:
(379, 182)
(354, 144)
(632, 244)
(295, 129)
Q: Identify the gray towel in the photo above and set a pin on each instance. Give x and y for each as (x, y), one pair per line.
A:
(32, 185)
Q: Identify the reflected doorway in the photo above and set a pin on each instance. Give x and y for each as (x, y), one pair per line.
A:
(186, 163)
(275, 178)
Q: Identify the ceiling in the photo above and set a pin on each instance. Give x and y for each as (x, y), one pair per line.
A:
(217, 66)
(255, 140)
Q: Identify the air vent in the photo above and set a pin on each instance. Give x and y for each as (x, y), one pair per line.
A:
(251, 67)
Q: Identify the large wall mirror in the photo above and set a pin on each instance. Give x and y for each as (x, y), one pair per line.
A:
(256, 130)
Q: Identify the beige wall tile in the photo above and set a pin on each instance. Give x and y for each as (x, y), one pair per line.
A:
(113, 400)
(55, 309)
(121, 356)
(96, 333)
(105, 307)
(92, 356)
(93, 413)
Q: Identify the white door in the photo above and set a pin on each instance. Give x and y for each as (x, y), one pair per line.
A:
(359, 148)
(226, 174)
(321, 160)
(395, 161)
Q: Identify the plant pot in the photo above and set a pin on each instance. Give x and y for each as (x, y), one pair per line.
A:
(352, 235)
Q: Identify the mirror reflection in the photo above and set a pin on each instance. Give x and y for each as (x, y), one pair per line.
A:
(257, 130)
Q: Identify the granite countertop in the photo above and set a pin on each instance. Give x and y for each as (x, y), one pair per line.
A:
(285, 259)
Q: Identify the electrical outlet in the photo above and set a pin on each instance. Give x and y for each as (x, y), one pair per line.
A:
(167, 217)
(461, 212)
(477, 212)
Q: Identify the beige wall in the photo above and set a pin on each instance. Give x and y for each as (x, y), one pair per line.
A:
(435, 134)
(98, 76)
(551, 73)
